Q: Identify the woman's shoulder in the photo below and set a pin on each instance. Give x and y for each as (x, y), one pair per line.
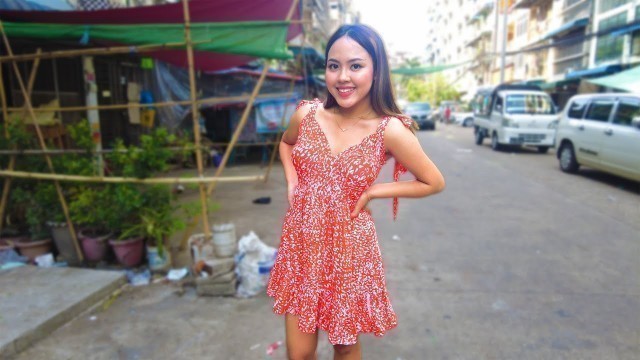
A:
(308, 104)
(399, 122)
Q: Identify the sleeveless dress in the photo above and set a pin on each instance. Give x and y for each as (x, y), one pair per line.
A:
(328, 268)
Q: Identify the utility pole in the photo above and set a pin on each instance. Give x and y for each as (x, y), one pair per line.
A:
(495, 40)
(504, 41)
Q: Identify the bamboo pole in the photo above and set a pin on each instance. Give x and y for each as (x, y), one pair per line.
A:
(27, 100)
(195, 115)
(211, 100)
(107, 151)
(121, 180)
(7, 183)
(12, 161)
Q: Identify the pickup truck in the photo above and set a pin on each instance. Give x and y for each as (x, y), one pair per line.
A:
(515, 115)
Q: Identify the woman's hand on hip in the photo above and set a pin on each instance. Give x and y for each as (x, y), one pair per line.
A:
(291, 189)
(364, 199)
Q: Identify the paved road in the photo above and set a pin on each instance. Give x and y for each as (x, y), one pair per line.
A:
(515, 260)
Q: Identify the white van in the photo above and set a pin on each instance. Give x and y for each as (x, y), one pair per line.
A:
(601, 131)
(515, 115)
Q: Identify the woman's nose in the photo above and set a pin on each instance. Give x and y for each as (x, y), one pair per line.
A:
(344, 75)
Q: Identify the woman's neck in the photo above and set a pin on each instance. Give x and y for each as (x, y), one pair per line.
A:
(360, 109)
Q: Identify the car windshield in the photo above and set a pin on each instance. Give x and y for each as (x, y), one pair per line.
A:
(418, 107)
(529, 104)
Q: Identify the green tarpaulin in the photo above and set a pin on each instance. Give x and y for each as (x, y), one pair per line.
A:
(628, 80)
(265, 39)
(424, 70)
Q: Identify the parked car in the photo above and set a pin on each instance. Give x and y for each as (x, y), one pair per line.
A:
(515, 115)
(419, 111)
(462, 118)
(601, 131)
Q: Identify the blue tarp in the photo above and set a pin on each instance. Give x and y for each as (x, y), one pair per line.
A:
(575, 24)
(598, 71)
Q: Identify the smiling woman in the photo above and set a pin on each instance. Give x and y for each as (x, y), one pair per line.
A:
(328, 273)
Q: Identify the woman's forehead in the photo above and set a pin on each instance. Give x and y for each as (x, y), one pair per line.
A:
(345, 49)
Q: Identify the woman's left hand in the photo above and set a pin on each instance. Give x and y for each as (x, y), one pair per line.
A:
(361, 204)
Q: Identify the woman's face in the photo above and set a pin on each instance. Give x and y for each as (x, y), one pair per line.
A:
(349, 72)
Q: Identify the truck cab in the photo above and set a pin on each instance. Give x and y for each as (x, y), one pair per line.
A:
(515, 115)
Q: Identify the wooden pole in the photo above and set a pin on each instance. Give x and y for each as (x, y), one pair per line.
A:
(12, 161)
(122, 180)
(7, 182)
(211, 100)
(236, 133)
(195, 115)
(27, 101)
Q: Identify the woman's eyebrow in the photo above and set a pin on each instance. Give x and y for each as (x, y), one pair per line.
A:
(350, 60)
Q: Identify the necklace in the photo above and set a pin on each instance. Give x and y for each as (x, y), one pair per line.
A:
(335, 111)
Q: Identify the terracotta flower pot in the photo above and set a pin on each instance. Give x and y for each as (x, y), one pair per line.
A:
(94, 246)
(129, 251)
(33, 248)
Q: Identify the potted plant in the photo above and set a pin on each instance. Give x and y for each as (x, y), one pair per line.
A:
(39, 240)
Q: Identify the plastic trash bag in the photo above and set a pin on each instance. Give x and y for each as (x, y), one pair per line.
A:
(254, 262)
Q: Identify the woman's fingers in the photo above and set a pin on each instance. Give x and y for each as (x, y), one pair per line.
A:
(362, 202)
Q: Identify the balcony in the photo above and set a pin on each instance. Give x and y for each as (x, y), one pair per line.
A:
(577, 10)
(477, 38)
(483, 9)
(525, 4)
(567, 27)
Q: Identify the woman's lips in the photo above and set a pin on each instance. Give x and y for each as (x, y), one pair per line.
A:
(345, 92)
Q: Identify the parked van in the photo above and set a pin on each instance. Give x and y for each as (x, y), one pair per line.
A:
(515, 115)
(601, 131)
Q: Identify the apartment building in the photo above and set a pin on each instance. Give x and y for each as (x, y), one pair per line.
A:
(480, 27)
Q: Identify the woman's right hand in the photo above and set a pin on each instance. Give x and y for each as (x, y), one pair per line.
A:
(291, 188)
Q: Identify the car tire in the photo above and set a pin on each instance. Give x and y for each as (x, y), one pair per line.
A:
(543, 149)
(467, 122)
(479, 136)
(567, 159)
(495, 145)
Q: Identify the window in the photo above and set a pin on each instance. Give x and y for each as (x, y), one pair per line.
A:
(606, 5)
(635, 36)
(576, 109)
(610, 47)
(627, 110)
(529, 104)
(498, 107)
(599, 110)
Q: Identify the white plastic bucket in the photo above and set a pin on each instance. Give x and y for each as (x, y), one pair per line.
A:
(224, 239)
(157, 262)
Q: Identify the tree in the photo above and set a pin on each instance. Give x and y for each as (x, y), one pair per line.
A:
(433, 90)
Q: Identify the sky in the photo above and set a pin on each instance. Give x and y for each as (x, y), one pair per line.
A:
(401, 23)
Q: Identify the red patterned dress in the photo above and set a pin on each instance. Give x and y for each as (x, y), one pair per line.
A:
(328, 269)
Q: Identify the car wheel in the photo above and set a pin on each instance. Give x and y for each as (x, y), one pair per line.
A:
(495, 145)
(543, 149)
(479, 137)
(467, 123)
(567, 158)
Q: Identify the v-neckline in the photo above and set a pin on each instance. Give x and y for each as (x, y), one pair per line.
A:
(328, 144)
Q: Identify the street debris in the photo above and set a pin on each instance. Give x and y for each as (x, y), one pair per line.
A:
(93, 318)
(262, 200)
(10, 259)
(395, 238)
(177, 274)
(253, 265)
(255, 346)
(273, 347)
(138, 278)
(45, 260)
(107, 303)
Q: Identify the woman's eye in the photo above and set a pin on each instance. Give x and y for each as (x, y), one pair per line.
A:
(332, 66)
(356, 66)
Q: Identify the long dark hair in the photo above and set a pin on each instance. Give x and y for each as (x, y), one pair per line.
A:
(381, 94)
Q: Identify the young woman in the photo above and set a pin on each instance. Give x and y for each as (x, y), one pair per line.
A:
(328, 273)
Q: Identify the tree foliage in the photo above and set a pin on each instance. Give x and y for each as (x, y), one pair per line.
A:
(433, 90)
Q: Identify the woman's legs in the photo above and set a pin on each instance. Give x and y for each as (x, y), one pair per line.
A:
(347, 352)
(300, 345)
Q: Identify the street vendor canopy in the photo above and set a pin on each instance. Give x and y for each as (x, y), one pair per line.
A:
(201, 11)
(628, 80)
(260, 39)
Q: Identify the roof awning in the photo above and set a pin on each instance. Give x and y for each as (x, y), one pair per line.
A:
(523, 4)
(628, 80)
(598, 71)
(559, 83)
(572, 25)
(627, 29)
